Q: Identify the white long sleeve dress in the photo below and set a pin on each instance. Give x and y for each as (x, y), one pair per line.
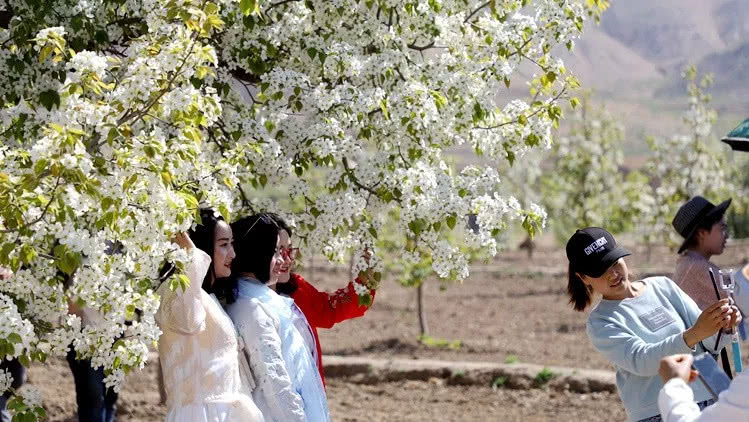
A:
(200, 355)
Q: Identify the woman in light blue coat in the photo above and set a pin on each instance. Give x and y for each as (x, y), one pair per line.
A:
(277, 337)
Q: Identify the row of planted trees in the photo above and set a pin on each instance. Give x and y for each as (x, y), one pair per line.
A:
(582, 181)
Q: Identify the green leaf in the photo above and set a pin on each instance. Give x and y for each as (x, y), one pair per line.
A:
(365, 300)
(224, 211)
(129, 181)
(49, 99)
(247, 6)
(439, 100)
(451, 221)
(190, 201)
(184, 281)
(416, 226)
(25, 360)
(7, 249)
(14, 338)
(384, 108)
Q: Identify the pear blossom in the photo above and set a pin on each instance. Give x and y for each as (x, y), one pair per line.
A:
(119, 120)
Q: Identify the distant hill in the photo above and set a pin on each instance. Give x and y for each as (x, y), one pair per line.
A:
(633, 61)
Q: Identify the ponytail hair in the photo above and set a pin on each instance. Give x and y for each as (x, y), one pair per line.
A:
(580, 294)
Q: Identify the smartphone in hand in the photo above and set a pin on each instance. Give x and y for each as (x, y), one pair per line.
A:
(711, 374)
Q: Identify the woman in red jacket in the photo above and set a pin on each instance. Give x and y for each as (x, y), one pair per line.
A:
(322, 309)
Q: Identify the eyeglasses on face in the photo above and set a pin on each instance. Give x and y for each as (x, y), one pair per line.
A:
(289, 253)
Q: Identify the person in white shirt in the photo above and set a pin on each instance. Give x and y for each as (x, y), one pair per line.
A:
(280, 342)
(206, 377)
(676, 399)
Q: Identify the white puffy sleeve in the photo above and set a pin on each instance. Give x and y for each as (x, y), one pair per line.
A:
(259, 330)
(182, 310)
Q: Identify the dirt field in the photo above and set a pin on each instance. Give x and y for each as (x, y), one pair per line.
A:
(514, 309)
(397, 401)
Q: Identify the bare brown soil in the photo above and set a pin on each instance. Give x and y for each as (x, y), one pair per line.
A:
(513, 309)
(394, 401)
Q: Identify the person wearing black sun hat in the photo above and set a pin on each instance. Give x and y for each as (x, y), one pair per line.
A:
(638, 322)
(703, 227)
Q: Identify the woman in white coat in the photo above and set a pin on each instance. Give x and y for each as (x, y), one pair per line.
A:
(280, 343)
(199, 350)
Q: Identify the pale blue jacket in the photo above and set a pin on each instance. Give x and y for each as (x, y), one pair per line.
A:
(280, 349)
(634, 334)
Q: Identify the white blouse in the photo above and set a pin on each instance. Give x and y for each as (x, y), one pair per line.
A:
(200, 355)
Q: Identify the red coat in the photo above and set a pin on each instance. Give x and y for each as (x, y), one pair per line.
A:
(323, 309)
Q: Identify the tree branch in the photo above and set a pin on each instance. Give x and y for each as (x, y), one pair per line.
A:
(280, 3)
(476, 11)
(538, 110)
(354, 180)
(44, 211)
(413, 46)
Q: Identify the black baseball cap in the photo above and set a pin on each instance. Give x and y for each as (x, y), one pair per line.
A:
(592, 250)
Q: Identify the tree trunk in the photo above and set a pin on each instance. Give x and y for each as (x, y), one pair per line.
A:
(312, 268)
(162, 390)
(528, 245)
(423, 326)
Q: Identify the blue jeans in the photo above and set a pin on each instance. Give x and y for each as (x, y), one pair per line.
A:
(18, 372)
(96, 403)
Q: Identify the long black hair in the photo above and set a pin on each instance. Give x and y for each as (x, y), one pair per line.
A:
(204, 238)
(255, 243)
(579, 293)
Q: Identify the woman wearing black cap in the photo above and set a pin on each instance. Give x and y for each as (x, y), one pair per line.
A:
(637, 323)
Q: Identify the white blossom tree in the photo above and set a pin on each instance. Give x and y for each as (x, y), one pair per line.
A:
(587, 185)
(120, 118)
(685, 165)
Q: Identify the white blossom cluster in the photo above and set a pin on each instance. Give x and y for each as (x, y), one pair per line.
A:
(120, 119)
(685, 165)
(6, 380)
(586, 185)
(15, 329)
(105, 156)
(373, 93)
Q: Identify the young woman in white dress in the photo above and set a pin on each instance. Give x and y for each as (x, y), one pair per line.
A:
(204, 369)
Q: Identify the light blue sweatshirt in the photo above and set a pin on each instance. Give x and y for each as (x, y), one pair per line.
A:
(634, 334)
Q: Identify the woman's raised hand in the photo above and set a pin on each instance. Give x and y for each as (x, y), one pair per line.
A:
(713, 318)
(735, 317)
(183, 240)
